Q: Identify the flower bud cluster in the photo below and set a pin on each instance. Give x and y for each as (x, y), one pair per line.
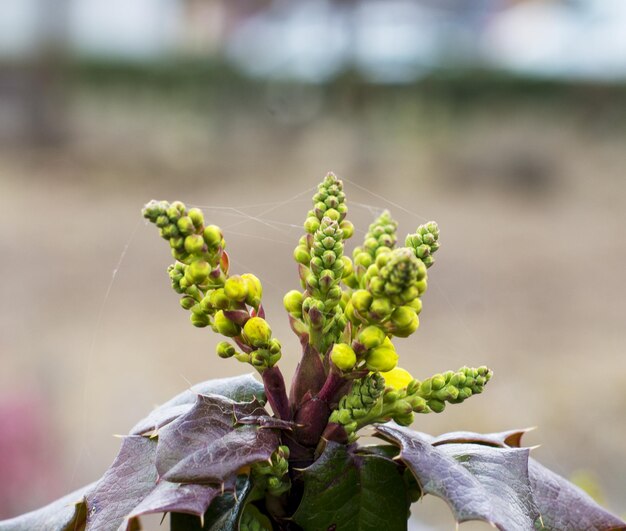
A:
(364, 401)
(321, 310)
(229, 304)
(390, 295)
(253, 336)
(453, 387)
(189, 239)
(424, 242)
(381, 236)
(273, 475)
(329, 202)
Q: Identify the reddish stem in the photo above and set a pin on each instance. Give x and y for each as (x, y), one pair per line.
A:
(276, 392)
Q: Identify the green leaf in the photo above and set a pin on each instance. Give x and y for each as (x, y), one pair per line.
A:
(238, 388)
(224, 513)
(66, 514)
(478, 482)
(348, 492)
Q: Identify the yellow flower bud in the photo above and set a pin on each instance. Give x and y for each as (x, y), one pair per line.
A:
(257, 332)
(293, 302)
(255, 289)
(381, 359)
(225, 326)
(195, 214)
(347, 228)
(362, 300)
(236, 288)
(371, 337)
(397, 378)
(194, 244)
(198, 271)
(218, 299)
(343, 356)
(212, 235)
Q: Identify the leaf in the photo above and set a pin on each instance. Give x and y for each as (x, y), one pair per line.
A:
(348, 492)
(67, 513)
(478, 482)
(223, 514)
(564, 506)
(167, 497)
(205, 446)
(511, 438)
(131, 477)
(239, 388)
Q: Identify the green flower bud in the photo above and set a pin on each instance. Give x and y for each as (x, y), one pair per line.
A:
(311, 224)
(381, 359)
(185, 225)
(293, 302)
(362, 300)
(199, 319)
(436, 406)
(194, 244)
(381, 307)
(212, 235)
(187, 302)
(225, 326)
(343, 356)
(196, 216)
(301, 255)
(199, 271)
(371, 337)
(236, 288)
(225, 350)
(348, 229)
(218, 299)
(257, 332)
(255, 289)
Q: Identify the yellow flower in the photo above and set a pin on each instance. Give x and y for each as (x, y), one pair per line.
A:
(397, 378)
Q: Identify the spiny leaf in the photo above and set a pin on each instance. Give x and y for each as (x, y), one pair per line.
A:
(348, 492)
(511, 438)
(205, 446)
(129, 480)
(564, 506)
(477, 481)
(66, 514)
(223, 514)
(239, 388)
(169, 497)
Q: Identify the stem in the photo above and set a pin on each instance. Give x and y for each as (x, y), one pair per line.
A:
(276, 393)
(334, 382)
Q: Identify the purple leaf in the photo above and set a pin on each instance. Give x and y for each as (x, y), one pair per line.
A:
(239, 388)
(129, 479)
(478, 482)
(564, 506)
(67, 513)
(206, 446)
(511, 438)
(174, 497)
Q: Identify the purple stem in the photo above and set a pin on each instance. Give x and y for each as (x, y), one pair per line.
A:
(276, 392)
(334, 382)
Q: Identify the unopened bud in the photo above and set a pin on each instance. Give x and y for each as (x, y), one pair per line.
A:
(225, 326)
(199, 271)
(362, 300)
(185, 225)
(257, 332)
(293, 302)
(212, 235)
(371, 337)
(343, 356)
(199, 319)
(236, 288)
(225, 350)
(194, 244)
(195, 214)
(381, 359)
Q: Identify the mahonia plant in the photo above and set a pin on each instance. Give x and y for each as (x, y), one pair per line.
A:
(216, 458)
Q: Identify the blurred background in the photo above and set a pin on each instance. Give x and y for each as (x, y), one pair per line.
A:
(505, 121)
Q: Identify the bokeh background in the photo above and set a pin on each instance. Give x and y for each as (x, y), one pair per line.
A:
(503, 120)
